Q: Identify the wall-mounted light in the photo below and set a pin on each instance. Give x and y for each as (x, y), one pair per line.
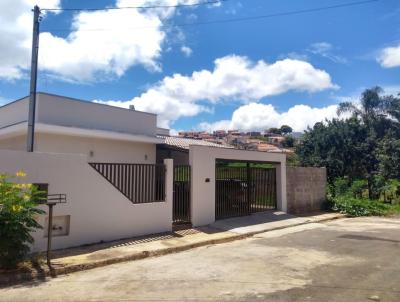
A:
(91, 153)
(145, 157)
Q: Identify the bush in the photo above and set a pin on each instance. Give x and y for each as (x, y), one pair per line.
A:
(17, 219)
(351, 198)
(359, 207)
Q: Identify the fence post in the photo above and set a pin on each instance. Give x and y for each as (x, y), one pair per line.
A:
(169, 186)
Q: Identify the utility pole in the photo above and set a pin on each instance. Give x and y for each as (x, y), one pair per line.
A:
(32, 93)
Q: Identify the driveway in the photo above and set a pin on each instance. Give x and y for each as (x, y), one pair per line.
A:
(343, 260)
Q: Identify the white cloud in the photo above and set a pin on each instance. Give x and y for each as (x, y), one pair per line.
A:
(234, 78)
(257, 116)
(390, 57)
(325, 50)
(16, 35)
(100, 44)
(187, 51)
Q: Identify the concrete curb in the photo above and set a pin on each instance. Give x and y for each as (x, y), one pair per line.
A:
(11, 279)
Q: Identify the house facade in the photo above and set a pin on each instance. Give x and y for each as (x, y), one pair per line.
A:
(66, 125)
(124, 177)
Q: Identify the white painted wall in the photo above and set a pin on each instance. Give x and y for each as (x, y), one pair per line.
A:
(202, 160)
(13, 113)
(13, 143)
(103, 150)
(64, 111)
(98, 210)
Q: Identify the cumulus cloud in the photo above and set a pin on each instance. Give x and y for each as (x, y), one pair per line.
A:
(100, 44)
(234, 78)
(389, 57)
(16, 35)
(257, 116)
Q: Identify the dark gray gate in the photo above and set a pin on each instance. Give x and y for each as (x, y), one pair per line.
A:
(244, 190)
(181, 203)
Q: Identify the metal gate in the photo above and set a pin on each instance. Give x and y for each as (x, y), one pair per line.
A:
(181, 203)
(241, 191)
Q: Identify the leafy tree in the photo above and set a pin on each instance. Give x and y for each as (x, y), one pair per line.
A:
(338, 145)
(389, 156)
(274, 131)
(285, 129)
(288, 142)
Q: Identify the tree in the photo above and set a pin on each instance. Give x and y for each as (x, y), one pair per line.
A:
(389, 156)
(338, 145)
(285, 129)
(373, 110)
(274, 131)
(288, 142)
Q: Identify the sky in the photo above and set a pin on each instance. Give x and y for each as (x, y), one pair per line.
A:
(264, 68)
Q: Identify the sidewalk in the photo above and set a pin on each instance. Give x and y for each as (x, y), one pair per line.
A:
(97, 255)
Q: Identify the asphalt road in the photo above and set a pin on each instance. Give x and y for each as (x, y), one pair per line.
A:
(347, 260)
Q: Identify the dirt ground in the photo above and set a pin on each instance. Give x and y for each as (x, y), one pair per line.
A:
(343, 260)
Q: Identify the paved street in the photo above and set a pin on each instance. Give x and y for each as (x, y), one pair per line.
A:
(343, 260)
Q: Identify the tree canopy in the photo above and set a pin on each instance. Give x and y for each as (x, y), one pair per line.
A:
(363, 144)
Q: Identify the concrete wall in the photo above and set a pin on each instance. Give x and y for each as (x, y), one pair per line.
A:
(97, 210)
(64, 111)
(14, 143)
(14, 113)
(306, 189)
(96, 150)
(202, 160)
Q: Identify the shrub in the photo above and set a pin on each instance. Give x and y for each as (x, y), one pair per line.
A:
(391, 191)
(359, 207)
(17, 219)
(359, 188)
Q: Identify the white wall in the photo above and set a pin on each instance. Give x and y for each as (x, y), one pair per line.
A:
(103, 150)
(13, 113)
(64, 111)
(13, 143)
(202, 160)
(98, 210)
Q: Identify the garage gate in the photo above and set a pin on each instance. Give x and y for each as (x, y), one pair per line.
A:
(244, 188)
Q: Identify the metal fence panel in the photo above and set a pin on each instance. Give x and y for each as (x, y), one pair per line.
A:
(140, 183)
(241, 191)
(181, 200)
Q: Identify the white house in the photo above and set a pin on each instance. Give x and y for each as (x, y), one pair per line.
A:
(65, 125)
(104, 159)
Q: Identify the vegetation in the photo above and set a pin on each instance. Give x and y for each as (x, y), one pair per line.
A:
(363, 147)
(283, 130)
(352, 198)
(17, 219)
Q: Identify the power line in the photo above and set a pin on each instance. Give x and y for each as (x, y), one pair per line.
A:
(210, 2)
(241, 19)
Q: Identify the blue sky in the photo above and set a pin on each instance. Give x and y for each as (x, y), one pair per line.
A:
(249, 75)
